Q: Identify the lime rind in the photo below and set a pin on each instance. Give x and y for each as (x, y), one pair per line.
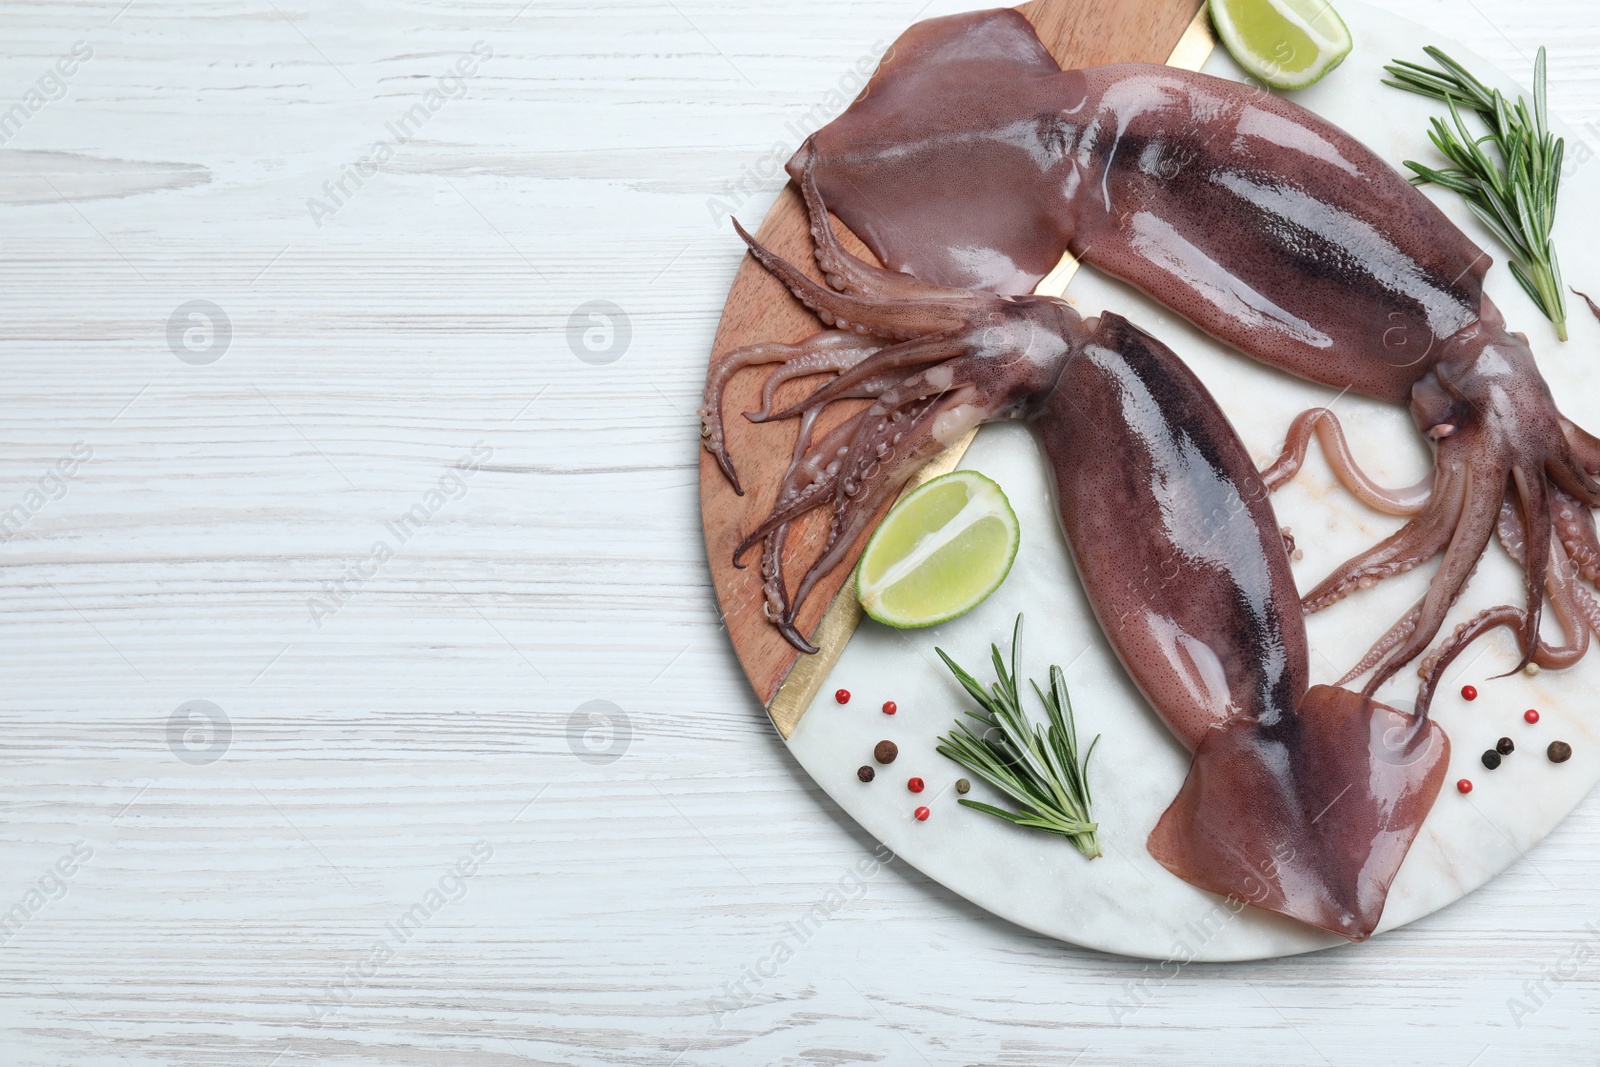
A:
(1313, 21)
(960, 532)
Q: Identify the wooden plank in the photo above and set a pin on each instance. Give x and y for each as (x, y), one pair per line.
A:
(760, 309)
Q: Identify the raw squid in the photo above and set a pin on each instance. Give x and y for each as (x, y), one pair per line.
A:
(1299, 801)
(972, 160)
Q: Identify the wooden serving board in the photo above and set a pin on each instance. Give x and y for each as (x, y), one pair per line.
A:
(1078, 34)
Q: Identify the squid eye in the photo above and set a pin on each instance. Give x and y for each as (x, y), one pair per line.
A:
(1441, 430)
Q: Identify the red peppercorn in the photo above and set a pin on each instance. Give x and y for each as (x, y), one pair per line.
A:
(1465, 785)
(1469, 692)
(1530, 716)
(842, 696)
(915, 785)
(889, 707)
(922, 814)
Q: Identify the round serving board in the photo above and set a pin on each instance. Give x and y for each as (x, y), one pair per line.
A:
(1126, 902)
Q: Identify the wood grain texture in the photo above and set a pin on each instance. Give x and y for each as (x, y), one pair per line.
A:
(759, 309)
(424, 716)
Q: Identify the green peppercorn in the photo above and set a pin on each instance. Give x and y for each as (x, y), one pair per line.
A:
(963, 786)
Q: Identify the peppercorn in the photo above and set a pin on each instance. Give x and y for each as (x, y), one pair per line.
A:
(1505, 746)
(842, 696)
(1530, 716)
(1559, 752)
(886, 751)
(922, 814)
(1464, 785)
(1469, 692)
(890, 707)
(866, 774)
(963, 786)
(1491, 759)
(916, 785)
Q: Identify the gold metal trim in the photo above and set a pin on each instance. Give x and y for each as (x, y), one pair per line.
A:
(790, 703)
(1196, 44)
(1055, 283)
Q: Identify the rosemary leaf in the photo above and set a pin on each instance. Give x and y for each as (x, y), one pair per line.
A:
(1037, 767)
(1511, 189)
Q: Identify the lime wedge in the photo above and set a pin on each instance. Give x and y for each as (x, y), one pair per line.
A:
(941, 550)
(1289, 44)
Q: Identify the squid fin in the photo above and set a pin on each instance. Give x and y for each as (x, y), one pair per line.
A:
(1310, 817)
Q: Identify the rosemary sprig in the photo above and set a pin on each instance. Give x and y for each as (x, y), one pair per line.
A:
(1513, 191)
(1037, 767)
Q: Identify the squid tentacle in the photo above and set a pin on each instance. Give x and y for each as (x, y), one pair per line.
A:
(1575, 609)
(899, 320)
(1436, 662)
(809, 482)
(830, 463)
(1418, 541)
(847, 272)
(835, 468)
(775, 593)
(935, 348)
(1566, 596)
(1322, 422)
(1576, 620)
(822, 352)
(1393, 638)
(1574, 524)
(775, 605)
(1588, 607)
(873, 480)
(1467, 542)
(873, 469)
(805, 367)
(1532, 496)
(1384, 645)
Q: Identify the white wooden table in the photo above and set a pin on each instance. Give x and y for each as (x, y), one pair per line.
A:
(395, 835)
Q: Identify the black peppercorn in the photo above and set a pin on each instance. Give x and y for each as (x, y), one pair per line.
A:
(885, 752)
(1559, 752)
(1505, 746)
(1491, 759)
(866, 774)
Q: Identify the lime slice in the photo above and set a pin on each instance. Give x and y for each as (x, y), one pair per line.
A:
(941, 550)
(1289, 44)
